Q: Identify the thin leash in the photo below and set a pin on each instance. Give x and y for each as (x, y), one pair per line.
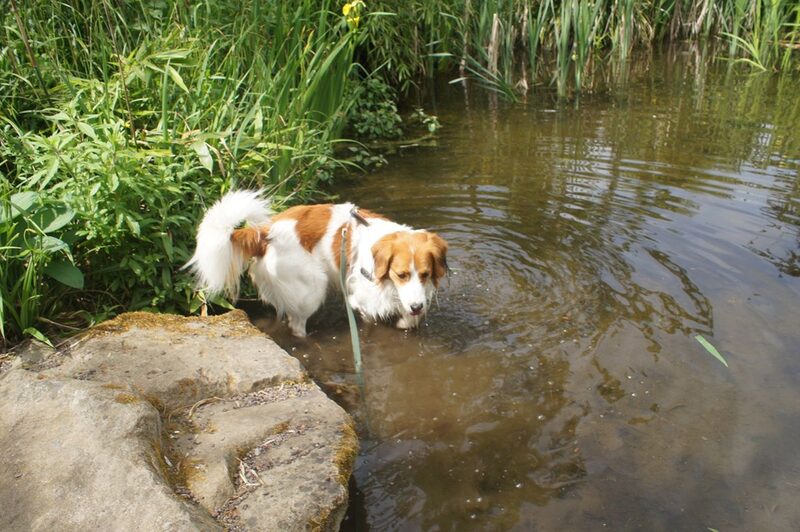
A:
(350, 315)
(351, 318)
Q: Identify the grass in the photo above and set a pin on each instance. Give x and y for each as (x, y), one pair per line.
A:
(130, 117)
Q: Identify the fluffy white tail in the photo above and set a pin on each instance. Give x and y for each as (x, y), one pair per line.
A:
(216, 264)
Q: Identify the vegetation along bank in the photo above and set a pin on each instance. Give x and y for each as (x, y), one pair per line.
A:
(121, 121)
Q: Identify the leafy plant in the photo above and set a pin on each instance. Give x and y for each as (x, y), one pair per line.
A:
(429, 122)
(374, 114)
(132, 117)
(35, 245)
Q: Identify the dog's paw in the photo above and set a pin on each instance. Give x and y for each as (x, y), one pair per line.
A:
(298, 327)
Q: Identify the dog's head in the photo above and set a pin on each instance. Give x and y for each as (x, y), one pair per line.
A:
(414, 262)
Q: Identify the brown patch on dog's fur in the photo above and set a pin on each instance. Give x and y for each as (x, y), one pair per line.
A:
(432, 257)
(250, 241)
(382, 253)
(336, 247)
(312, 222)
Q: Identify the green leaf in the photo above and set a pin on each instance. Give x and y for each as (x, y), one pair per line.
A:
(58, 117)
(135, 267)
(711, 349)
(87, 130)
(133, 225)
(65, 273)
(166, 278)
(221, 301)
(53, 219)
(52, 168)
(167, 241)
(36, 333)
(20, 203)
(201, 148)
(258, 122)
(51, 244)
(176, 77)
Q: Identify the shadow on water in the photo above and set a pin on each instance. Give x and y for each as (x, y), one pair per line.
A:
(558, 384)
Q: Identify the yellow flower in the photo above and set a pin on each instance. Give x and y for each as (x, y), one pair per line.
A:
(352, 12)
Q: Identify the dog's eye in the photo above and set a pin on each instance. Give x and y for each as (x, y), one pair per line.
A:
(423, 276)
(403, 276)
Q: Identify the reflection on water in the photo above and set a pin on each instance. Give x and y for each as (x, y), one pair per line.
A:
(558, 385)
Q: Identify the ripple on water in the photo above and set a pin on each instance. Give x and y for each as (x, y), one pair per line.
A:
(557, 384)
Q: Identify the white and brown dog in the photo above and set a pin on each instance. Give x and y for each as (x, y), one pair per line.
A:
(392, 269)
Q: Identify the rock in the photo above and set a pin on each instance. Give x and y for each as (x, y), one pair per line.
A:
(289, 453)
(32, 353)
(27, 354)
(75, 457)
(8, 362)
(244, 435)
(176, 361)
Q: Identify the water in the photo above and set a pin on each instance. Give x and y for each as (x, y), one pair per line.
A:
(558, 385)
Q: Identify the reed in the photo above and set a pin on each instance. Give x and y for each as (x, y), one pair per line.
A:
(559, 38)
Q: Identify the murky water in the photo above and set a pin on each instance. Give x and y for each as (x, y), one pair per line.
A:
(558, 385)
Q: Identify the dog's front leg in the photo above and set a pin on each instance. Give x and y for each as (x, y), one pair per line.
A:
(407, 321)
(297, 326)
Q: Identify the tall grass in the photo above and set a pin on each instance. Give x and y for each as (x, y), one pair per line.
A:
(560, 39)
(774, 33)
(131, 116)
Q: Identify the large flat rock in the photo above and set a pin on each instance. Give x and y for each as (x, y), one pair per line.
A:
(75, 457)
(224, 425)
(178, 361)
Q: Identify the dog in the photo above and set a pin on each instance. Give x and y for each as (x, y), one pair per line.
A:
(392, 270)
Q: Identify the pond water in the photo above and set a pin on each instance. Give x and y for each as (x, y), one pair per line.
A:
(559, 384)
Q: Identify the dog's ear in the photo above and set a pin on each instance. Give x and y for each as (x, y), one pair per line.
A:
(382, 252)
(439, 254)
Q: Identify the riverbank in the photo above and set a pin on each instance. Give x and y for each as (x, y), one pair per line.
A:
(121, 123)
(156, 421)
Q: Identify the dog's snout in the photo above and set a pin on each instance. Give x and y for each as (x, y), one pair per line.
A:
(416, 307)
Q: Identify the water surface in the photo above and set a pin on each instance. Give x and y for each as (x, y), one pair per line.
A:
(558, 385)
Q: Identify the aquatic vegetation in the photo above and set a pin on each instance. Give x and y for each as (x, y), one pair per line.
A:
(374, 114)
(773, 34)
(559, 40)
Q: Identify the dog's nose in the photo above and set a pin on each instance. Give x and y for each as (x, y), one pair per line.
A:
(416, 308)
